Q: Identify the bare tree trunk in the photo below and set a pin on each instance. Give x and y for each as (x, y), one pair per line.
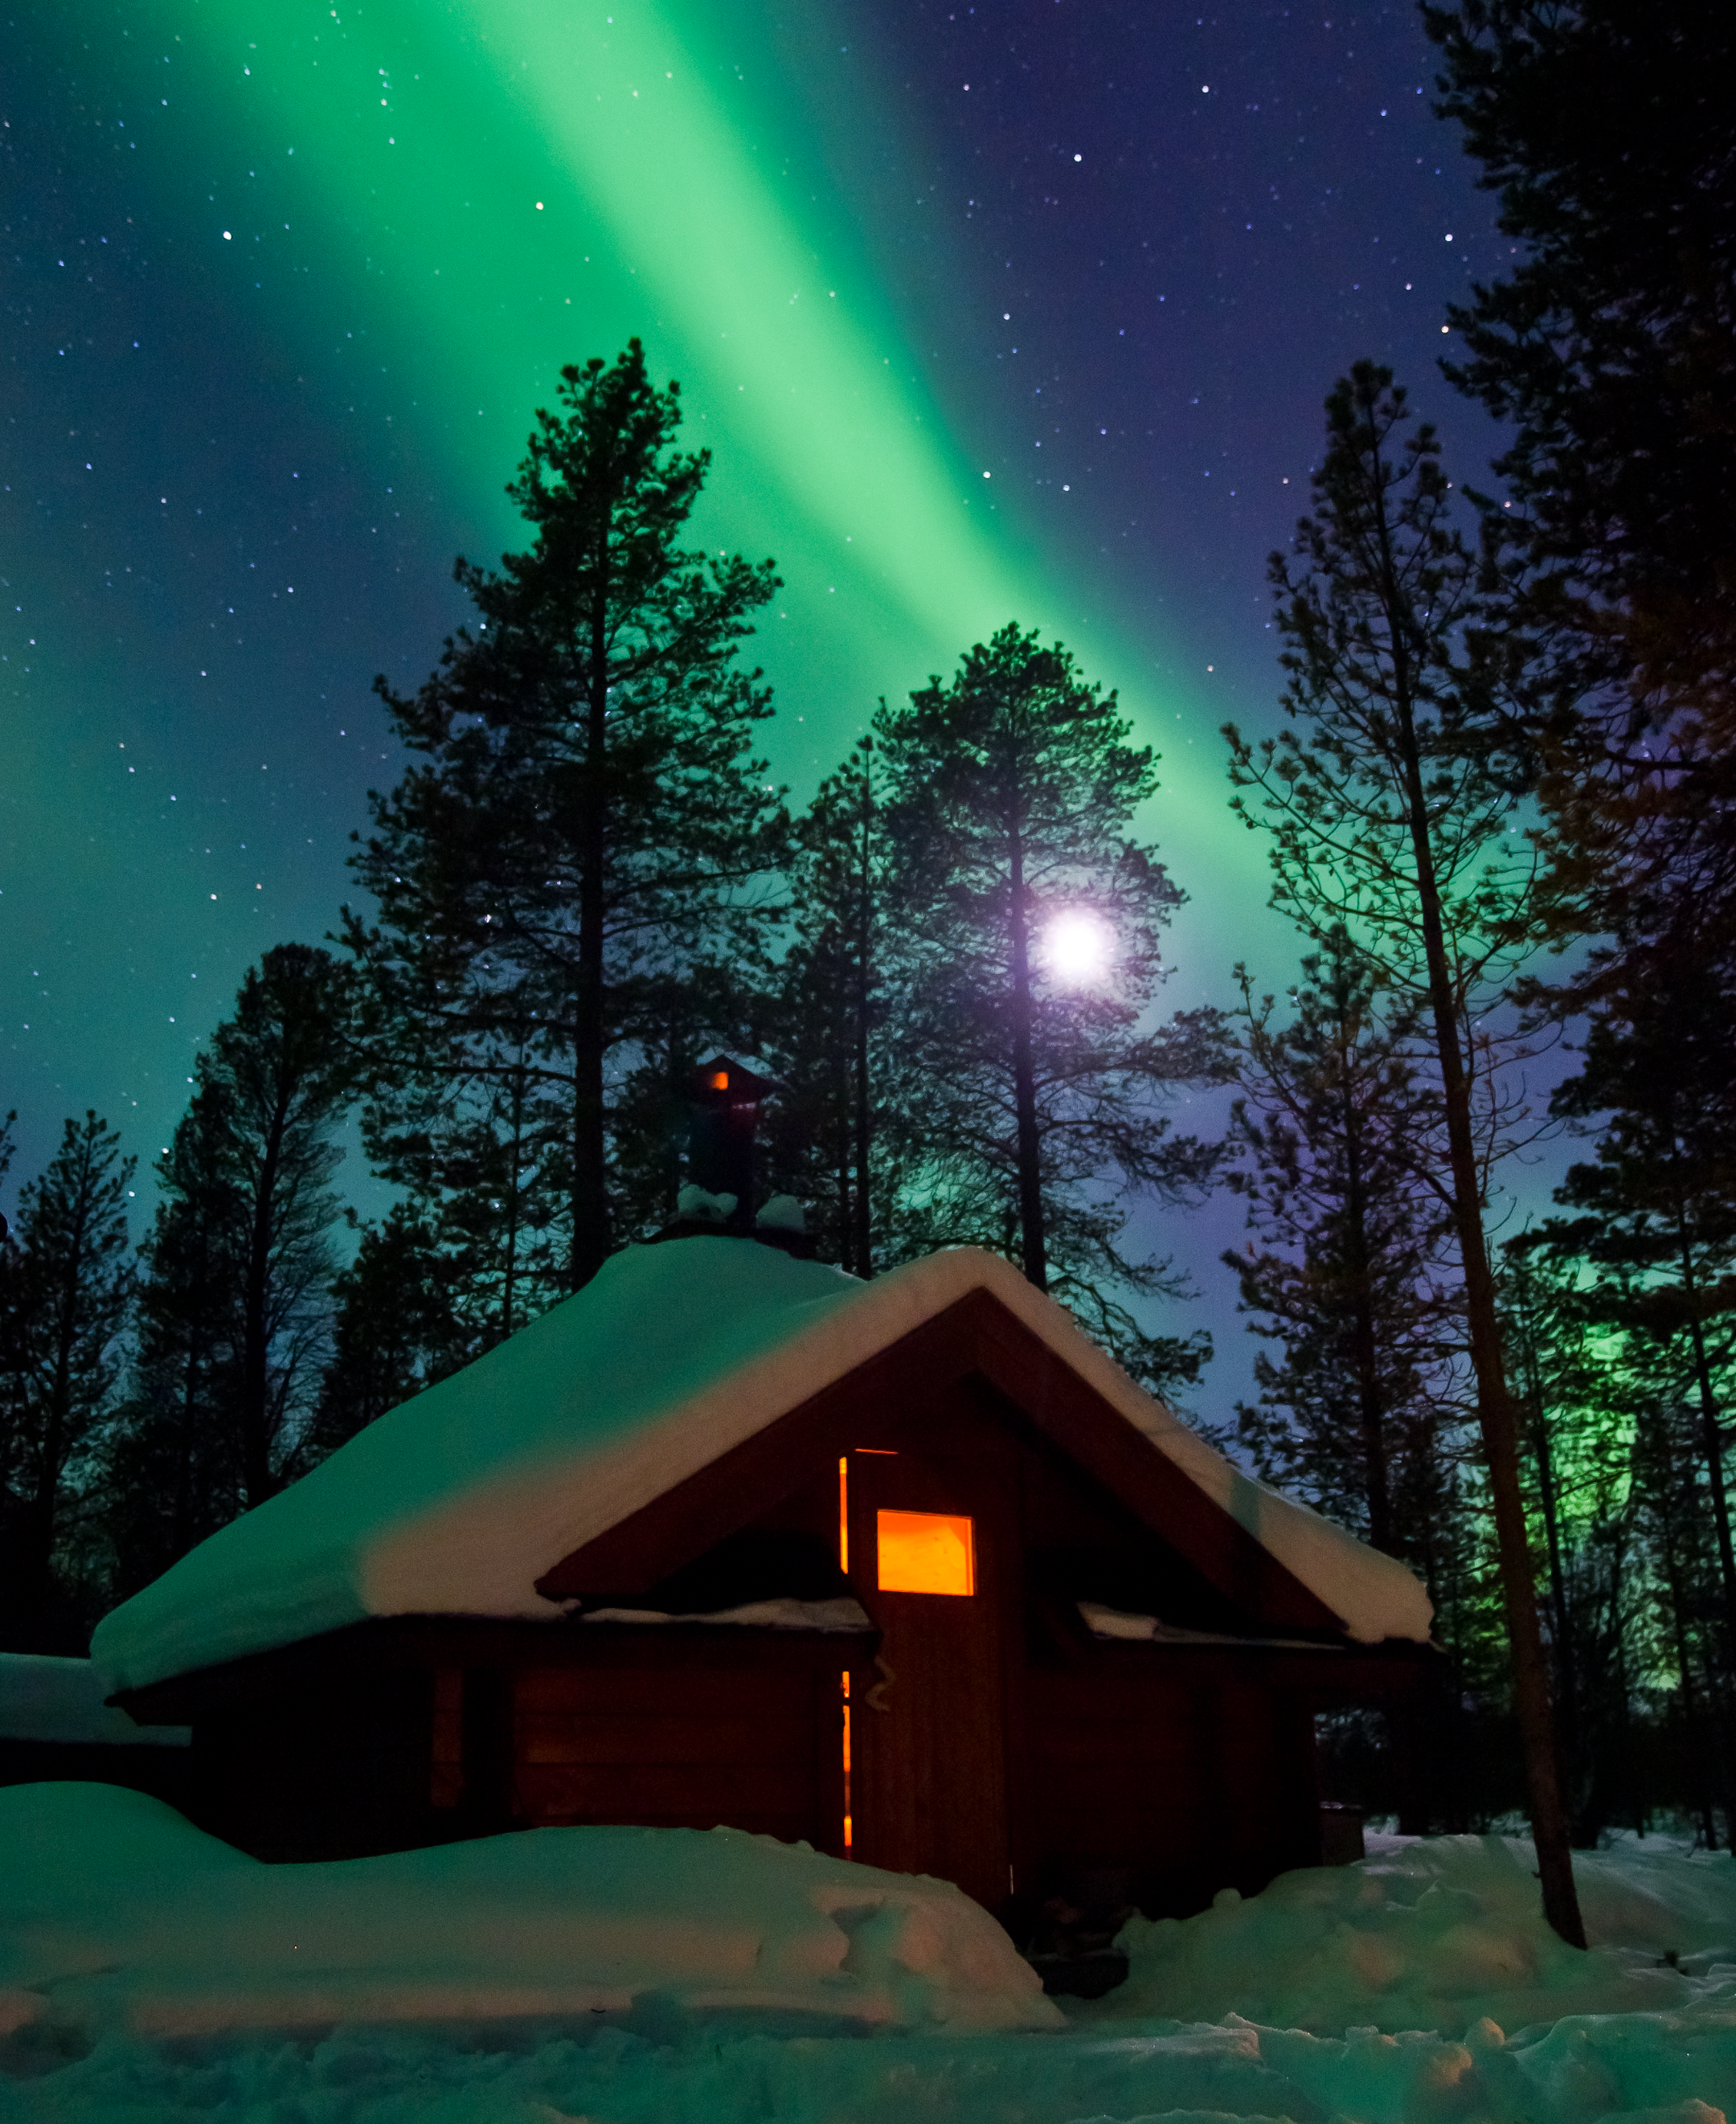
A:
(1494, 1403)
(589, 1247)
(1711, 1436)
(862, 1224)
(1032, 1245)
(846, 1202)
(1566, 1700)
(1567, 1695)
(508, 1273)
(1376, 1485)
(258, 1480)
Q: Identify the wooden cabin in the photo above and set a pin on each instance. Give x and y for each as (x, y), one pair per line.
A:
(908, 1569)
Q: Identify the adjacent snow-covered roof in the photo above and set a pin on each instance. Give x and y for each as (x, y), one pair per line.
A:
(457, 1502)
(45, 1698)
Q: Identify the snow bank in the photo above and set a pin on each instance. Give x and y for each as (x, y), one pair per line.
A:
(457, 1502)
(117, 1916)
(43, 1698)
(1441, 1933)
(195, 1920)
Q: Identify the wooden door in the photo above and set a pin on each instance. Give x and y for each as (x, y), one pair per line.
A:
(929, 1777)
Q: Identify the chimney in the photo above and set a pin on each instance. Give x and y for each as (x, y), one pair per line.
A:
(725, 1097)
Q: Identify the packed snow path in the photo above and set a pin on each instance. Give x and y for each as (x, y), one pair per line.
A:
(152, 1975)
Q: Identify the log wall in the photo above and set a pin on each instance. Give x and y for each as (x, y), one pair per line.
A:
(757, 1747)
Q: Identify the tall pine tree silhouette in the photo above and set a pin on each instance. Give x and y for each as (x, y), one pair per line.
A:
(831, 1135)
(587, 821)
(1027, 921)
(235, 1315)
(1390, 799)
(1658, 1198)
(1344, 1264)
(67, 1288)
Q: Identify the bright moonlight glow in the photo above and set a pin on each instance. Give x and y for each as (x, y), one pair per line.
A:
(1076, 947)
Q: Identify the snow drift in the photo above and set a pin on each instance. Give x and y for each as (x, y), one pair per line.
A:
(1442, 1932)
(456, 1503)
(117, 1915)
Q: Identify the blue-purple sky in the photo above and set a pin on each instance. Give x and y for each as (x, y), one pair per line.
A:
(1022, 310)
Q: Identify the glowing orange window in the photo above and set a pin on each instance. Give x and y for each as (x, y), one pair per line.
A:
(925, 1552)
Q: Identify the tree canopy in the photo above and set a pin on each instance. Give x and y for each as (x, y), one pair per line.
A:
(589, 824)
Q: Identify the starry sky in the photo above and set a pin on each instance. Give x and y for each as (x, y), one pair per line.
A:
(1026, 310)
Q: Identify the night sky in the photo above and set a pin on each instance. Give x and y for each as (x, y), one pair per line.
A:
(1022, 310)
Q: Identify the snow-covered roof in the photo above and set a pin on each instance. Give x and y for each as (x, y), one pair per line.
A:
(458, 1500)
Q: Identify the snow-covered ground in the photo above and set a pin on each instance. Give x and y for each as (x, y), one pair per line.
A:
(622, 1976)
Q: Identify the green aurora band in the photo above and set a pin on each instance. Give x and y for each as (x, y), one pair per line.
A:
(429, 211)
(517, 184)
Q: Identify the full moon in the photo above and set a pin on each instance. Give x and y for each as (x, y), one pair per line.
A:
(1076, 947)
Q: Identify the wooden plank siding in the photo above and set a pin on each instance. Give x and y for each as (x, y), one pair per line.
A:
(938, 1748)
(757, 1747)
(388, 1735)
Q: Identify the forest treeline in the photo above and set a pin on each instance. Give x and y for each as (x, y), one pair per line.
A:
(1497, 808)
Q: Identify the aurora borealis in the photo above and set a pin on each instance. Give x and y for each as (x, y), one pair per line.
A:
(1021, 310)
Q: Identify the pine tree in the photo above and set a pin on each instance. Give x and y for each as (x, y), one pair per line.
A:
(1659, 1197)
(483, 1162)
(236, 1311)
(1345, 1268)
(1388, 817)
(1690, 1637)
(588, 825)
(13, 1370)
(829, 1135)
(399, 1326)
(1028, 923)
(1580, 1426)
(1606, 126)
(68, 1287)
(168, 1477)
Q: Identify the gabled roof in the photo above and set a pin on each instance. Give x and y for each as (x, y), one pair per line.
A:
(459, 1500)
